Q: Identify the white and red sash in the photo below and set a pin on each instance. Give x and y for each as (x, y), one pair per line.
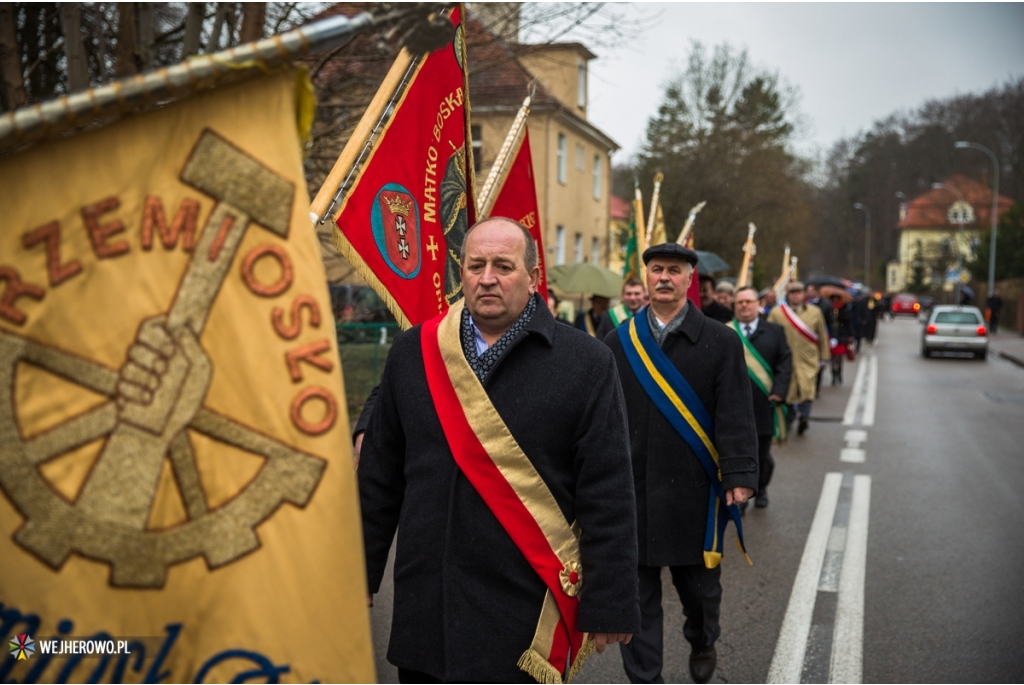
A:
(798, 323)
(491, 459)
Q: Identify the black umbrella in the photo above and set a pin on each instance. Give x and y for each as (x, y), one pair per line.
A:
(826, 280)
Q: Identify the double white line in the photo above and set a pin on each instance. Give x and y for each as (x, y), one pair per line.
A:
(863, 396)
(840, 535)
(832, 569)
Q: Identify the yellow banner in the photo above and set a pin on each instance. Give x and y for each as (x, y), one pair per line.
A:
(176, 469)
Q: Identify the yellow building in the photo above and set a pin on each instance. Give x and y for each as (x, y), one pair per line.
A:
(571, 157)
(930, 235)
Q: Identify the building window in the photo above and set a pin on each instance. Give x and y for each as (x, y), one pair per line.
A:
(595, 251)
(597, 177)
(562, 143)
(478, 146)
(581, 85)
(580, 155)
(560, 245)
(577, 248)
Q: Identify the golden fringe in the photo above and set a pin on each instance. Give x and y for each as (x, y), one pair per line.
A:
(364, 270)
(586, 649)
(539, 668)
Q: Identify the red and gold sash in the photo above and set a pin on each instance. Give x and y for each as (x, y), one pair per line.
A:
(501, 473)
(796, 322)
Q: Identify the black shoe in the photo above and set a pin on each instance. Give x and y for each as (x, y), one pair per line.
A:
(802, 428)
(761, 501)
(702, 664)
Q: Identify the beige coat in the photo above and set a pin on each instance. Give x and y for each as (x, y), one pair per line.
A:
(806, 355)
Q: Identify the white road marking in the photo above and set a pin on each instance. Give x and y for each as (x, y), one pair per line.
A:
(852, 452)
(858, 388)
(788, 662)
(868, 418)
(852, 455)
(854, 437)
(847, 664)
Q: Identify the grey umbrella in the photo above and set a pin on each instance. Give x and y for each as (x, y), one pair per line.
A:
(709, 262)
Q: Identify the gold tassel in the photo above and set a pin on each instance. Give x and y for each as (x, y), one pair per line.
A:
(586, 649)
(538, 668)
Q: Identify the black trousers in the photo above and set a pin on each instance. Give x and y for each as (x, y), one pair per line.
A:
(700, 590)
(765, 462)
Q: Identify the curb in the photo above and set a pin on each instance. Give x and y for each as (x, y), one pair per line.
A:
(1009, 357)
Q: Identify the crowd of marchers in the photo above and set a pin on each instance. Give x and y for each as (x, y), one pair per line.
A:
(540, 474)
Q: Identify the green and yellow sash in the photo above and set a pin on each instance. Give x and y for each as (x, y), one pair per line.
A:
(620, 314)
(761, 373)
(681, 406)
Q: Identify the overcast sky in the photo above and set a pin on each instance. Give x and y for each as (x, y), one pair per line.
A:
(853, 63)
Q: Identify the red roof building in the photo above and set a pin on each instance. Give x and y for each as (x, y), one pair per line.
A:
(930, 233)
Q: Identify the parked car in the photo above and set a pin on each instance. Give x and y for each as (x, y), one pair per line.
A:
(905, 303)
(953, 328)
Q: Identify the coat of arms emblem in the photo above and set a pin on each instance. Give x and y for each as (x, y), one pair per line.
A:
(396, 229)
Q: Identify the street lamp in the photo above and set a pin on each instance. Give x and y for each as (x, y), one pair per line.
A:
(995, 209)
(867, 243)
(960, 239)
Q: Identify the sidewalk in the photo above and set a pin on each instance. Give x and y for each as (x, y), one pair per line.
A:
(1009, 345)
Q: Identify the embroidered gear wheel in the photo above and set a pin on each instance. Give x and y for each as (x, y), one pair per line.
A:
(54, 527)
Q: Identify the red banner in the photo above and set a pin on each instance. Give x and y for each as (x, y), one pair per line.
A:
(694, 290)
(517, 200)
(402, 222)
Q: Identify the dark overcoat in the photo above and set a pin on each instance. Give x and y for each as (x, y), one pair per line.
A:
(466, 601)
(769, 339)
(672, 488)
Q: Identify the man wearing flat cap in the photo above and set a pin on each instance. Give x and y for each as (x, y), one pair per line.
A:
(808, 339)
(693, 444)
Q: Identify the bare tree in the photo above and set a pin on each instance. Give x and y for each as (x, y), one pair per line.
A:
(146, 35)
(193, 28)
(74, 47)
(254, 16)
(13, 91)
(125, 51)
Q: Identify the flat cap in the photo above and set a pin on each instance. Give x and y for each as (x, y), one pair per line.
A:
(671, 250)
(794, 285)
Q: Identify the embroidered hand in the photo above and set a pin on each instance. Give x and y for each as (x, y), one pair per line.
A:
(164, 381)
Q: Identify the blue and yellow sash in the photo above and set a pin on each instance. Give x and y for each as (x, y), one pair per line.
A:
(674, 397)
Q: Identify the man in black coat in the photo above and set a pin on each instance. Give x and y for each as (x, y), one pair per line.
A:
(769, 340)
(467, 602)
(672, 488)
(709, 306)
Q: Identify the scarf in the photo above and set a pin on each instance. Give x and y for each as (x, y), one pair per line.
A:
(483, 363)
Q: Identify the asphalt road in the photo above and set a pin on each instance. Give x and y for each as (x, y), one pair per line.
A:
(903, 567)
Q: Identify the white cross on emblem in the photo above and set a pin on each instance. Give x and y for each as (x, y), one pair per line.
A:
(400, 226)
(403, 247)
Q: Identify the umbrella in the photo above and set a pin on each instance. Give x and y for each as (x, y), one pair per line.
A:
(585, 278)
(709, 262)
(828, 291)
(826, 280)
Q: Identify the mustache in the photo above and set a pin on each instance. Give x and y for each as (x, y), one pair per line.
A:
(664, 287)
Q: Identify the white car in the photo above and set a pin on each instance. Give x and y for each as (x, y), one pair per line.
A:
(951, 328)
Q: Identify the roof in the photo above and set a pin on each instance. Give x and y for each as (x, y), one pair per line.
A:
(929, 210)
(621, 209)
(497, 80)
